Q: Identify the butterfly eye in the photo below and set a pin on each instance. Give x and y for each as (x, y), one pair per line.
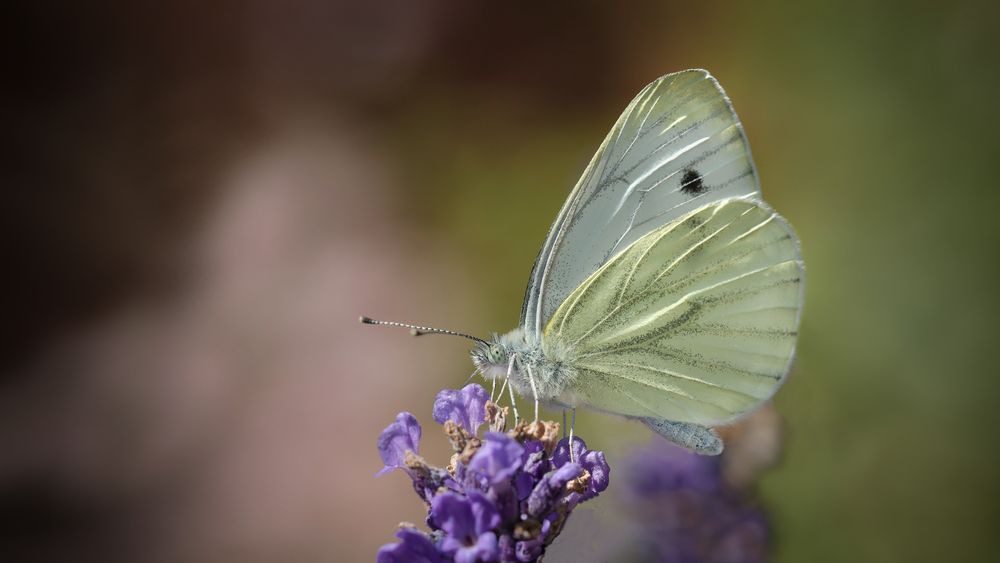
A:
(691, 183)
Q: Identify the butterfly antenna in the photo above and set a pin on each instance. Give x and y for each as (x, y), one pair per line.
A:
(420, 330)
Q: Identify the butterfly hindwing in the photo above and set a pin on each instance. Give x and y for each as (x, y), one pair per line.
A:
(694, 322)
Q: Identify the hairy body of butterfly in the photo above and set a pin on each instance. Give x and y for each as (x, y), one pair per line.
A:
(666, 290)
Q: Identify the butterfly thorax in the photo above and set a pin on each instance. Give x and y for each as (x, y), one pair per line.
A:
(549, 368)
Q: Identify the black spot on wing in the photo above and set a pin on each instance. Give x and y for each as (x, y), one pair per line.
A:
(691, 183)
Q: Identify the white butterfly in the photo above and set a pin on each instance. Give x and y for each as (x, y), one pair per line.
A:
(666, 290)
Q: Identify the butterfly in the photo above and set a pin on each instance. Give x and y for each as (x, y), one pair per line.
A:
(666, 291)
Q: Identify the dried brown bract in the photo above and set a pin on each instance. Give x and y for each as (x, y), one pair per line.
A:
(545, 431)
(496, 416)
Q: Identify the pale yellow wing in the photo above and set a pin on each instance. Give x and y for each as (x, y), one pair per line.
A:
(695, 322)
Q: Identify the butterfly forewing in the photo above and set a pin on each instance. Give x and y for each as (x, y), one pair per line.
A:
(676, 147)
(694, 322)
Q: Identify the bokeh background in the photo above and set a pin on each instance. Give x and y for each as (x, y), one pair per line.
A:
(201, 198)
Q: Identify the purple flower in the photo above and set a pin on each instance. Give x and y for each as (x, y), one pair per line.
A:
(416, 547)
(465, 407)
(551, 488)
(397, 439)
(591, 460)
(534, 465)
(497, 459)
(468, 523)
(600, 473)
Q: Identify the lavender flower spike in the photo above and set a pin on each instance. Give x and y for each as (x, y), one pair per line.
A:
(465, 407)
(502, 498)
(401, 436)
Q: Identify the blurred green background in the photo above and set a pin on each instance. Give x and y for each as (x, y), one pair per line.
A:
(873, 127)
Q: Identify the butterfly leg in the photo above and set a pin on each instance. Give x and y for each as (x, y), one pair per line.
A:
(564, 424)
(572, 425)
(699, 439)
(510, 388)
(493, 389)
(534, 391)
(502, 389)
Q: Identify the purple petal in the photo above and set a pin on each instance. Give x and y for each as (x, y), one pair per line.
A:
(497, 459)
(534, 453)
(463, 519)
(401, 436)
(452, 545)
(484, 514)
(391, 553)
(534, 465)
(533, 461)
(465, 407)
(600, 473)
(506, 548)
(524, 483)
(453, 514)
(427, 486)
(416, 547)
(561, 455)
(528, 550)
(485, 549)
(551, 488)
